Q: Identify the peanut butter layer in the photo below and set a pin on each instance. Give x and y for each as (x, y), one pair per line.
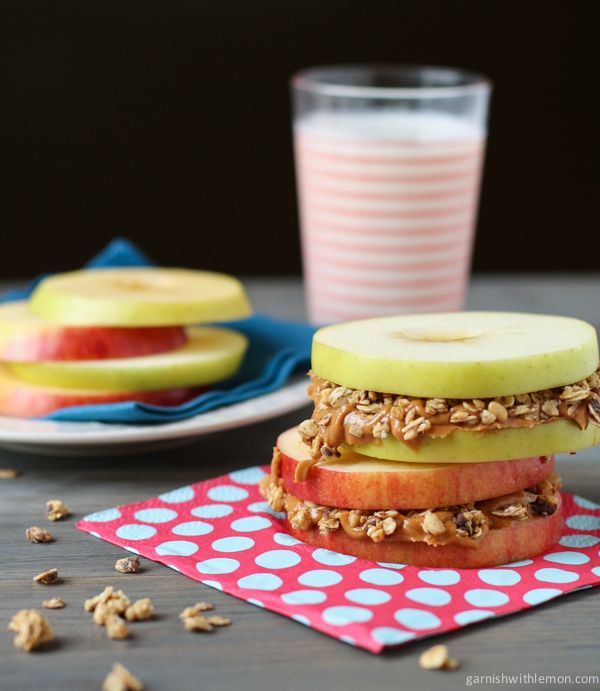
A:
(465, 524)
(362, 417)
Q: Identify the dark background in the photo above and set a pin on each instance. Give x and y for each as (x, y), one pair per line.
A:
(168, 122)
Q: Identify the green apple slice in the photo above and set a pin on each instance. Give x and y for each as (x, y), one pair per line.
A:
(457, 355)
(562, 436)
(139, 297)
(210, 355)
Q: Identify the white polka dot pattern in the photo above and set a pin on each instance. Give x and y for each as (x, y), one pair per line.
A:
(485, 597)
(212, 511)
(418, 619)
(277, 559)
(135, 531)
(192, 528)
(304, 597)
(250, 524)
(227, 493)
(177, 548)
(155, 515)
(319, 578)
(223, 534)
(233, 544)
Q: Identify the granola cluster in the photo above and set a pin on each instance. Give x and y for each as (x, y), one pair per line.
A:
(121, 679)
(32, 629)
(465, 524)
(113, 609)
(194, 620)
(358, 417)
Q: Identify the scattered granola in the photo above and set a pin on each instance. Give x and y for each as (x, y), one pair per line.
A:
(32, 629)
(53, 603)
(47, 577)
(140, 610)
(197, 623)
(437, 657)
(8, 473)
(128, 564)
(55, 510)
(195, 609)
(116, 628)
(109, 602)
(358, 417)
(193, 620)
(37, 534)
(121, 679)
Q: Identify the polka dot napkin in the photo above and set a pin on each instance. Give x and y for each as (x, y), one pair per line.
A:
(221, 533)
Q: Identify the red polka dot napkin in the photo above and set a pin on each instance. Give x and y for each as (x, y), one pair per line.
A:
(222, 533)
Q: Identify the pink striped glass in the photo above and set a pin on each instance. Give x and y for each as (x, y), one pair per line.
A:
(388, 166)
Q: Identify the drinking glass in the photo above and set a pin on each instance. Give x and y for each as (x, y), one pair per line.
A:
(388, 166)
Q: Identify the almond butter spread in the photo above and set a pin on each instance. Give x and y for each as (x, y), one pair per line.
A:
(361, 417)
(465, 524)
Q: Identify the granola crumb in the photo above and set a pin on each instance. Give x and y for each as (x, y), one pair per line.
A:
(140, 610)
(116, 628)
(53, 603)
(56, 510)
(195, 609)
(433, 525)
(437, 657)
(197, 623)
(128, 564)
(110, 601)
(37, 534)
(8, 473)
(47, 577)
(121, 679)
(32, 629)
(217, 620)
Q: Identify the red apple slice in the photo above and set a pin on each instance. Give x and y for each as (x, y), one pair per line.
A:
(517, 541)
(27, 338)
(360, 482)
(20, 399)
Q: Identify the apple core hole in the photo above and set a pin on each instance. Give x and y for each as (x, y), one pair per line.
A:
(438, 335)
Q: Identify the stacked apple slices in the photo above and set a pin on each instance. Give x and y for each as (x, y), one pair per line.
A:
(432, 437)
(114, 335)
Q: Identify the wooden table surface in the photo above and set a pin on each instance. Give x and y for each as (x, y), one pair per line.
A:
(260, 651)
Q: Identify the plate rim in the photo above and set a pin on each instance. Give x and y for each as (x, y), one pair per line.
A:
(289, 397)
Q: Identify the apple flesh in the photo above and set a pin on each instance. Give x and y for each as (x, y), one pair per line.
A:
(456, 355)
(562, 436)
(517, 541)
(140, 297)
(27, 338)
(358, 482)
(209, 355)
(20, 399)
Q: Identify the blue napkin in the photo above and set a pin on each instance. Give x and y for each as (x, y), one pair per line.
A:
(277, 349)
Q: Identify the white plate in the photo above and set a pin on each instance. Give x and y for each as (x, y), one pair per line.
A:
(51, 437)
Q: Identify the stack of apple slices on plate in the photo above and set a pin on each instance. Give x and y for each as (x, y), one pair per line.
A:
(110, 335)
(432, 437)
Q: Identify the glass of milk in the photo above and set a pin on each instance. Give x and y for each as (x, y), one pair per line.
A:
(388, 165)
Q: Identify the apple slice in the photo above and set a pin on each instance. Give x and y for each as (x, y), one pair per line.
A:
(210, 355)
(20, 399)
(517, 541)
(359, 482)
(562, 436)
(27, 338)
(456, 355)
(139, 297)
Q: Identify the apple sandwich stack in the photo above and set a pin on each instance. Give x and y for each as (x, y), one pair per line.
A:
(112, 335)
(432, 438)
